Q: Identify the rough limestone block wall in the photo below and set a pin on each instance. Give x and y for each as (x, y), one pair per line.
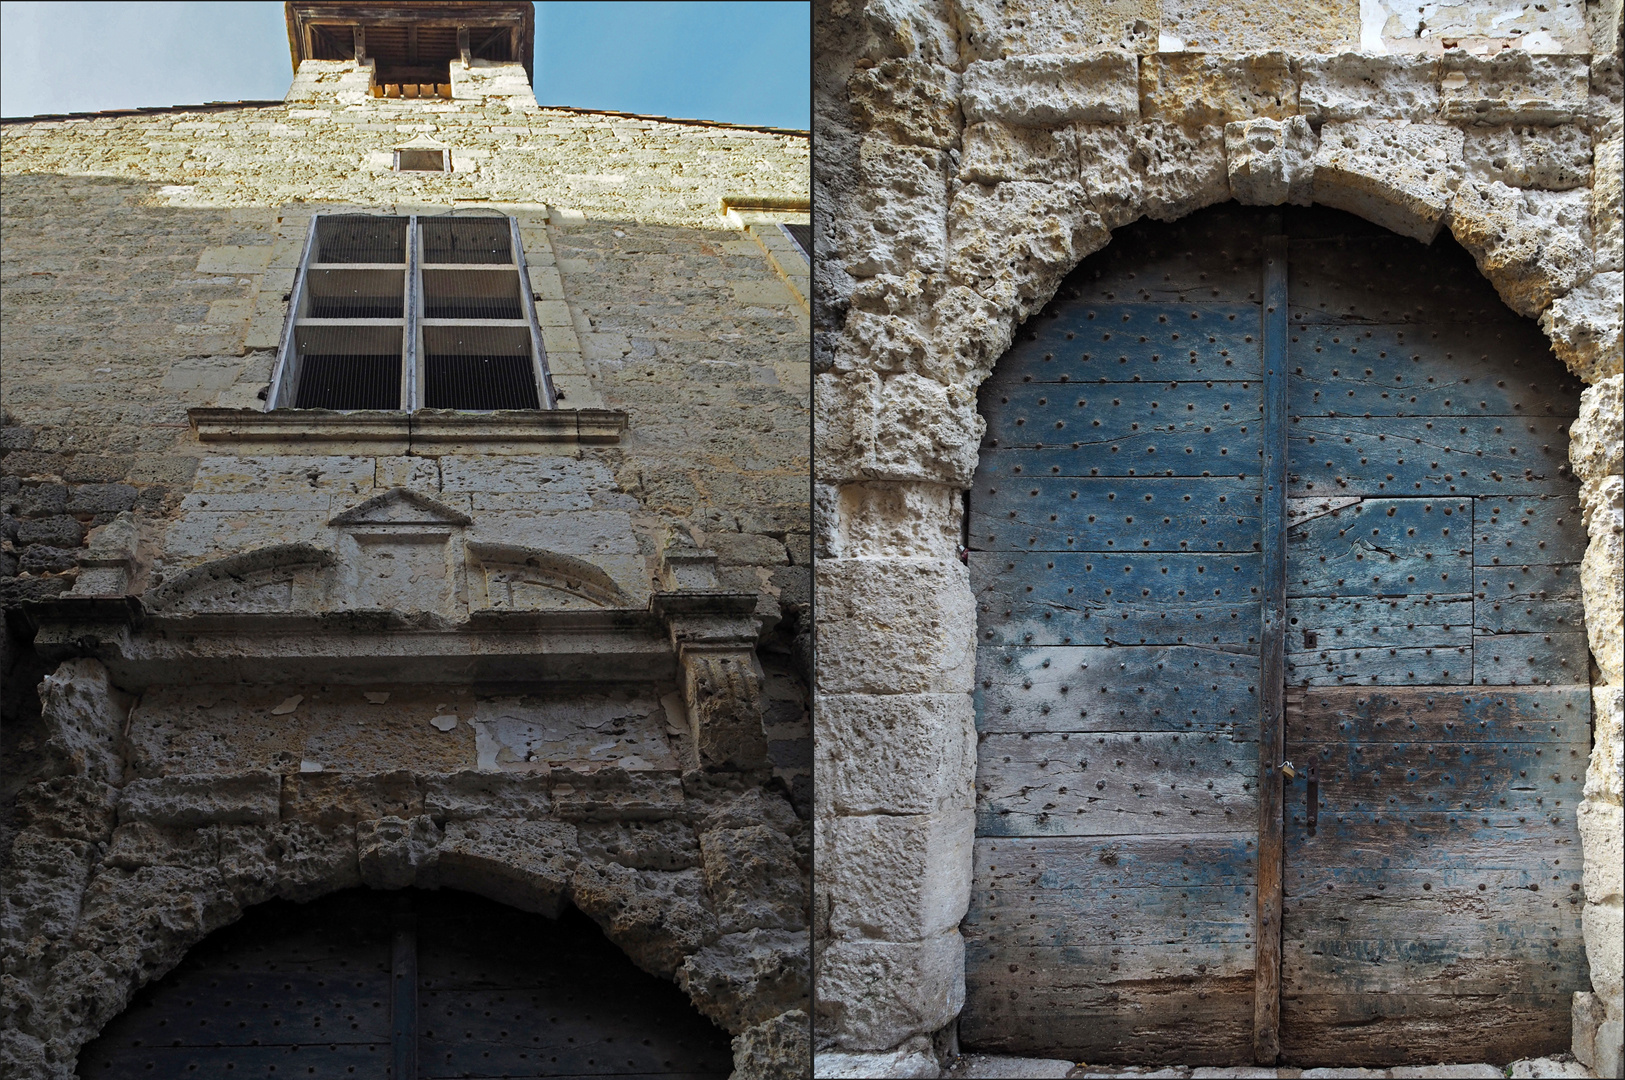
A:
(146, 267)
(970, 153)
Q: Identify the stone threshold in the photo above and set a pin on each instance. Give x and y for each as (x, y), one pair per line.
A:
(997, 1067)
(297, 430)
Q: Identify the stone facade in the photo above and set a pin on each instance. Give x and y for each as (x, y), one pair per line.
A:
(969, 155)
(550, 658)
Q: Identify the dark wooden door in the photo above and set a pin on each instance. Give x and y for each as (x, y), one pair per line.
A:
(1438, 666)
(313, 991)
(1144, 595)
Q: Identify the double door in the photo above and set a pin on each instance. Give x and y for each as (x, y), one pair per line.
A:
(1282, 677)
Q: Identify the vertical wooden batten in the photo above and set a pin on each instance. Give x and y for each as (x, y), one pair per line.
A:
(1267, 976)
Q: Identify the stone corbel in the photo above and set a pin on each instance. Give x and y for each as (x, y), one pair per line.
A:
(714, 634)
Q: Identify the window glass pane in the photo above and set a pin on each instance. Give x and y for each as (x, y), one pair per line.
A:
(466, 240)
(355, 294)
(354, 381)
(478, 367)
(472, 294)
(360, 238)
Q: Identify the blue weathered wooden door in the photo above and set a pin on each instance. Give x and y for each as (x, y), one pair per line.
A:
(1143, 614)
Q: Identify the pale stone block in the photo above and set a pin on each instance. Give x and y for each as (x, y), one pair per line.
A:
(1597, 434)
(1600, 833)
(1214, 26)
(236, 259)
(1001, 1067)
(1360, 86)
(911, 1061)
(1532, 245)
(898, 218)
(546, 283)
(521, 474)
(227, 312)
(881, 343)
(1608, 158)
(1012, 242)
(895, 626)
(202, 536)
(767, 293)
(416, 473)
(197, 800)
(553, 313)
(1550, 158)
(577, 392)
(1194, 89)
(1271, 162)
(1056, 88)
(910, 101)
(994, 152)
(1602, 571)
(220, 473)
(1605, 776)
(1399, 175)
(996, 29)
(897, 878)
(562, 339)
(584, 533)
(1513, 87)
(1587, 327)
(898, 520)
(895, 753)
(264, 333)
(566, 362)
(1604, 927)
(904, 427)
(874, 994)
(1156, 169)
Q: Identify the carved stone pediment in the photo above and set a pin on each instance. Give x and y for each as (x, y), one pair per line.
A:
(286, 577)
(399, 506)
(506, 577)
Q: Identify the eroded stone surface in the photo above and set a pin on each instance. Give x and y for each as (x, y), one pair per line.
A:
(1193, 89)
(1398, 174)
(1052, 88)
(995, 29)
(1271, 162)
(1534, 246)
(1550, 158)
(1585, 325)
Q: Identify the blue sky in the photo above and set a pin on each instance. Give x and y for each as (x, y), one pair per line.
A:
(744, 63)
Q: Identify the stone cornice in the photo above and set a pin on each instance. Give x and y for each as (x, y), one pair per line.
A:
(298, 429)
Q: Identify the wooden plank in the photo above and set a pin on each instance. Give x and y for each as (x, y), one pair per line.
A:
(1113, 784)
(1069, 598)
(1175, 429)
(1434, 839)
(1340, 276)
(1528, 616)
(1402, 778)
(1438, 457)
(1054, 513)
(1394, 371)
(1219, 860)
(1383, 1030)
(1318, 622)
(1442, 965)
(1558, 714)
(1526, 659)
(1530, 581)
(1131, 688)
(1186, 1017)
(1200, 915)
(1272, 649)
(1377, 666)
(1132, 343)
(1380, 547)
(1535, 529)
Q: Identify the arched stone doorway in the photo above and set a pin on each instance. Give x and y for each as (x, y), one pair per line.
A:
(357, 982)
(1262, 487)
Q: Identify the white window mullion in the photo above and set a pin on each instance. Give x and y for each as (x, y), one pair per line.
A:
(412, 383)
(538, 351)
(285, 376)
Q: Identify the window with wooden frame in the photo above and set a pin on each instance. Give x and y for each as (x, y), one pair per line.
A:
(412, 312)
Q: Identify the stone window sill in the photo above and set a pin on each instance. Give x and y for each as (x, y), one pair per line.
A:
(300, 431)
